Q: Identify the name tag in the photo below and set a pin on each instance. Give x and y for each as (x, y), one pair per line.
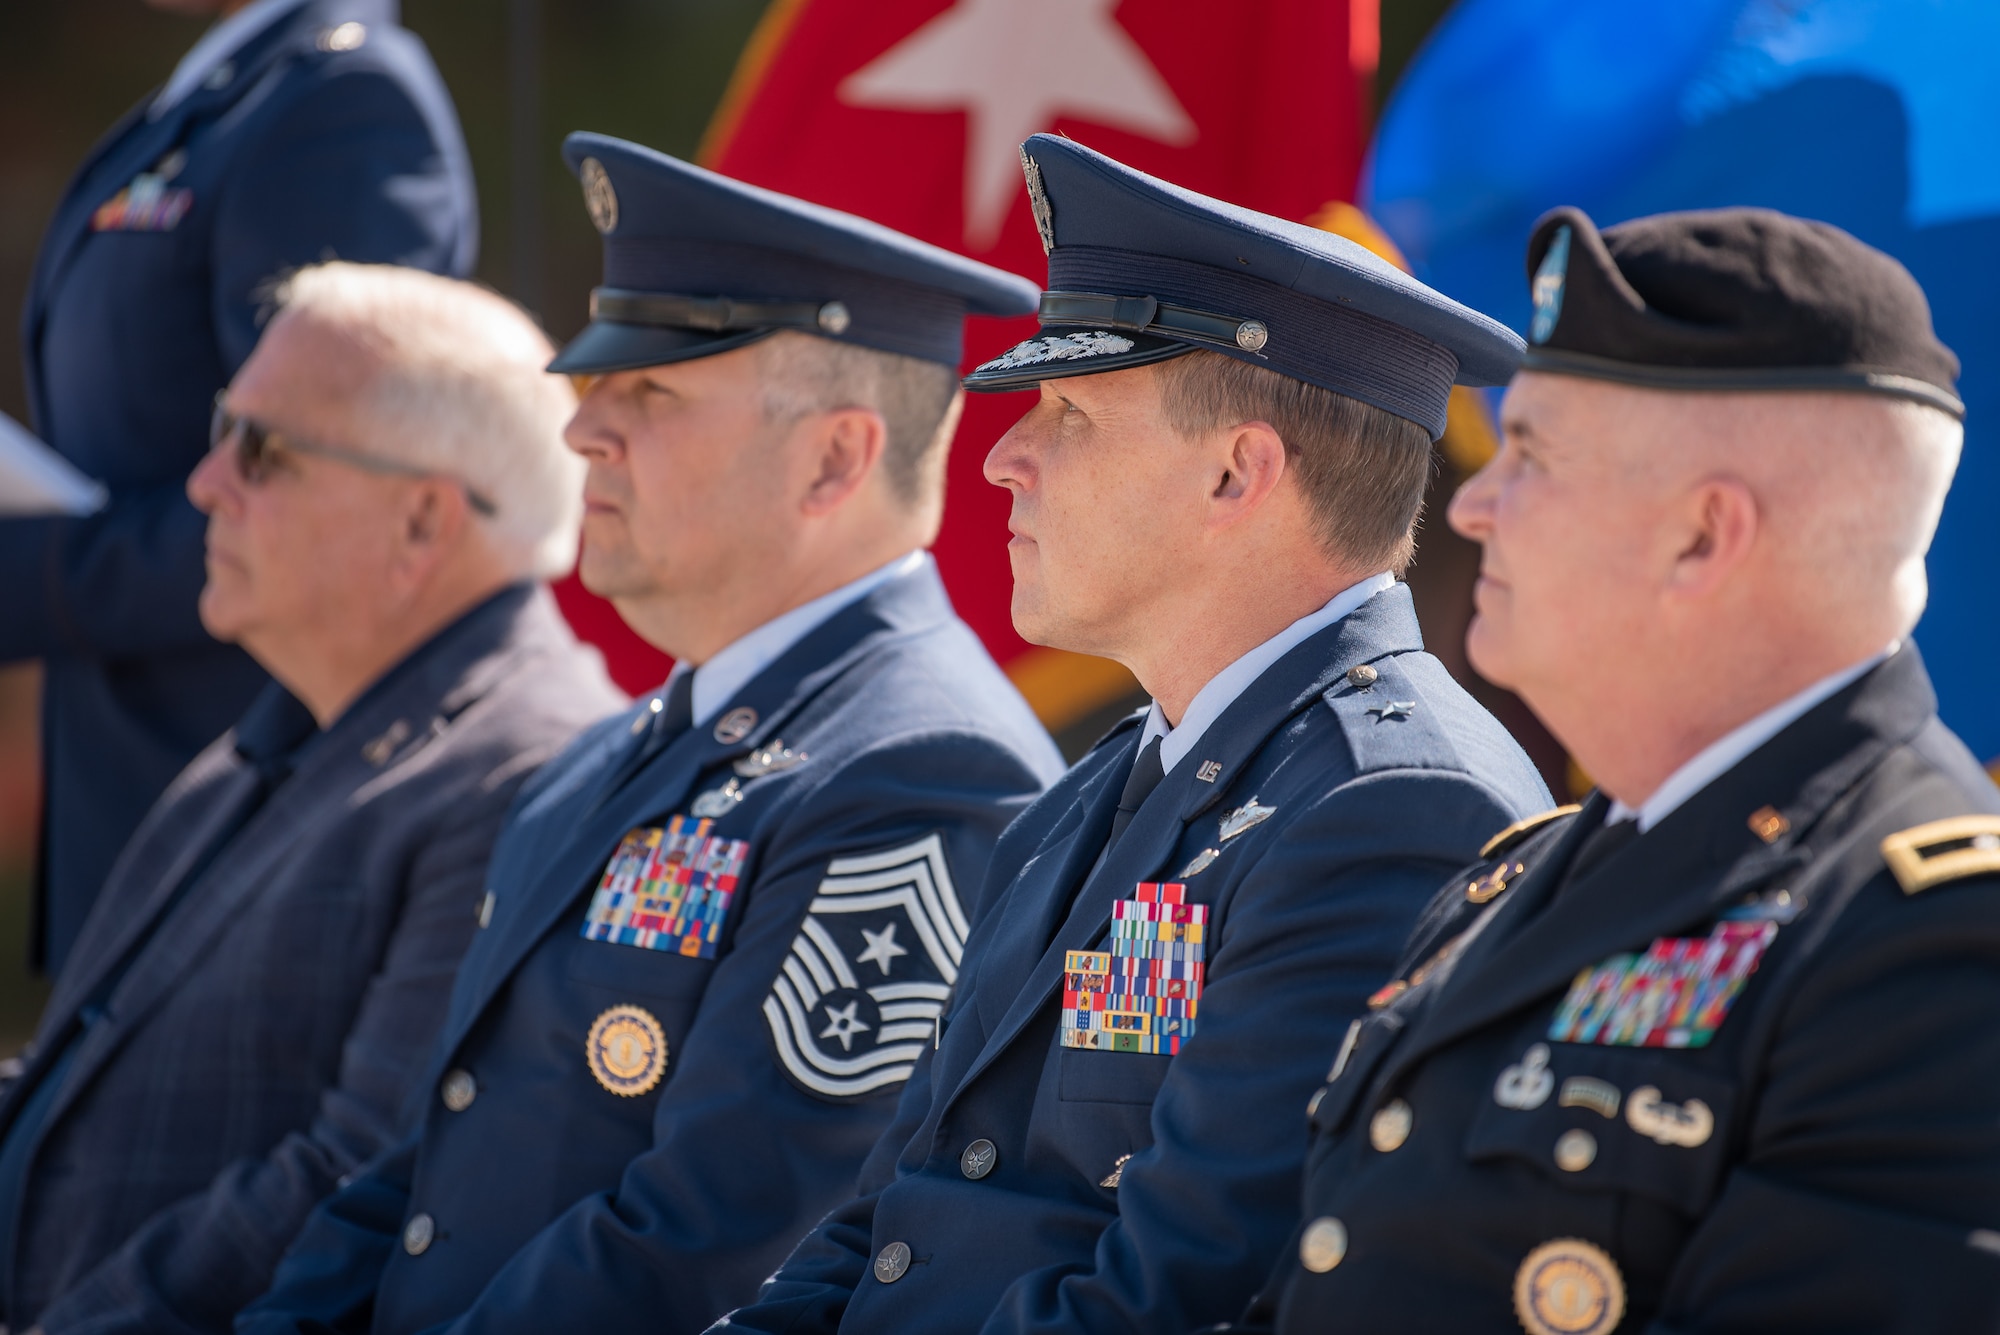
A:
(1676, 995)
(1142, 994)
(667, 888)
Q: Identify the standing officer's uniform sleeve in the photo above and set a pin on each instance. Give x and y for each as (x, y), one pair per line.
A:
(1311, 933)
(195, 1263)
(739, 1146)
(349, 168)
(1855, 1204)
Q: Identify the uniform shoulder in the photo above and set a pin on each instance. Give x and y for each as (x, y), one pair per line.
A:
(1405, 711)
(1507, 840)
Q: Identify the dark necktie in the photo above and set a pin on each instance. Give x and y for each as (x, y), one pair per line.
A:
(1599, 847)
(1147, 771)
(676, 717)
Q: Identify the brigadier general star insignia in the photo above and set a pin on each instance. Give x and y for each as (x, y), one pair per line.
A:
(1392, 709)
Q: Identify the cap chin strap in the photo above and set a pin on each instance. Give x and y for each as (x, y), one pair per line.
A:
(716, 314)
(1145, 315)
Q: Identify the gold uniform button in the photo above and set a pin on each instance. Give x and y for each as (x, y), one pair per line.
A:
(1323, 1245)
(892, 1262)
(459, 1089)
(1569, 1287)
(1576, 1150)
(1390, 1126)
(418, 1234)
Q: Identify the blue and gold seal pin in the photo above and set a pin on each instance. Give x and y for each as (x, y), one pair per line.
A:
(1569, 1287)
(627, 1050)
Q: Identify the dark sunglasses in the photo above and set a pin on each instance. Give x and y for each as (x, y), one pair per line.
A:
(258, 449)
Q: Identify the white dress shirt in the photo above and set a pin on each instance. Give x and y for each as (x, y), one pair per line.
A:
(217, 45)
(1722, 754)
(1222, 689)
(731, 669)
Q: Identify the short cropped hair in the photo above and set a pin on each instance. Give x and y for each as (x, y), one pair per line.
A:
(1362, 470)
(458, 384)
(805, 374)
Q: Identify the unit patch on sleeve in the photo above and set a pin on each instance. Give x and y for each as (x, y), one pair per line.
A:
(1143, 993)
(667, 888)
(1676, 995)
(860, 993)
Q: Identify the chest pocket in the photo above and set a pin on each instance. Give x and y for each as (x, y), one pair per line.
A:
(1649, 1121)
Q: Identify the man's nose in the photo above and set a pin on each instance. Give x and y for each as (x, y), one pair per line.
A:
(1011, 459)
(1470, 513)
(212, 479)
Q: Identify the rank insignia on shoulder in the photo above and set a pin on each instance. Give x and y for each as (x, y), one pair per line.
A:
(1676, 995)
(1246, 817)
(1521, 829)
(667, 888)
(1143, 993)
(860, 993)
(1943, 850)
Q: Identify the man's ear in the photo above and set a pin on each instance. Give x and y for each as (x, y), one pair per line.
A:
(1246, 467)
(1720, 524)
(847, 447)
(435, 513)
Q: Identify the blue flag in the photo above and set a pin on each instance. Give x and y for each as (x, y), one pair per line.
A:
(1880, 116)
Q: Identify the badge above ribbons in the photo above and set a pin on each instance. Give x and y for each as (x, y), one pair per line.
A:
(870, 970)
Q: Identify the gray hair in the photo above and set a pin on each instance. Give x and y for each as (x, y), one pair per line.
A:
(457, 385)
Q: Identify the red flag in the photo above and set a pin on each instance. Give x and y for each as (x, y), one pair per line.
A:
(910, 112)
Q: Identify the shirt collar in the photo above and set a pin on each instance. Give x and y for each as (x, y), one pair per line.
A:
(1222, 689)
(217, 45)
(732, 668)
(1721, 755)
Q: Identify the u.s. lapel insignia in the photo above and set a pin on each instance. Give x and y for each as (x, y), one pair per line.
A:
(717, 801)
(378, 751)
(627, 1050)
(769, 760)
(1245, 817)
(859, 995)
(734, 726)
(1199, 863)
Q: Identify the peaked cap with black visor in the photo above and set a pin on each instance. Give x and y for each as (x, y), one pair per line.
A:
(697, 264)
(1141, 271)
(1731, 299)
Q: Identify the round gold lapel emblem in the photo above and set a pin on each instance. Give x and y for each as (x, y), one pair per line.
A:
(627, 1050)
(1569, 1287)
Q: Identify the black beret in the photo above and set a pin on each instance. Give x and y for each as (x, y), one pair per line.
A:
(1731, 299)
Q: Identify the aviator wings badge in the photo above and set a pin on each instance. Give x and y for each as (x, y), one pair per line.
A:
(1245, 817)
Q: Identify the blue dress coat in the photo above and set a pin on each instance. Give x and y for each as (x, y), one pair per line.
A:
(255, 994)
(623, 1137)
(137, 313)
(1030, 1185)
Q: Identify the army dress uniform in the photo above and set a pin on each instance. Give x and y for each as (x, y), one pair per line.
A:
(721, 927)
(1183, 927)
(1725, 1065)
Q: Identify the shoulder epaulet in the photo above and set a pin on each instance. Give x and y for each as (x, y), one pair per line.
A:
(1521, 829)
(1943, 850)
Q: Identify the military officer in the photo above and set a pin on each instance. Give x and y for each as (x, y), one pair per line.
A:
(295, 131)
(1713, 1052)
(1216, 487)
(719, 930)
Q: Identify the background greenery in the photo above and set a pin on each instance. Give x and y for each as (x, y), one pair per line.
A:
(649, 70)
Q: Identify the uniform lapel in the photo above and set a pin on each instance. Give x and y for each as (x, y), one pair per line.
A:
(1675, 879)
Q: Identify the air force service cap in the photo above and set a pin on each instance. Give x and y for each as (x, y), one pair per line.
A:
(1140, 271)
(1731, 299)
(696, 264)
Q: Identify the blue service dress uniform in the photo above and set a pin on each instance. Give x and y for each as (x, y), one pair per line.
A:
(328, 135)
(628, 1128)
(1039, 1177)
(1734, 1074)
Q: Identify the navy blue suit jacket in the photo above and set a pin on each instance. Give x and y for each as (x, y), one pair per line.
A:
(886, 754)
(272, 1021)
(292, 154)
(1146, 1192)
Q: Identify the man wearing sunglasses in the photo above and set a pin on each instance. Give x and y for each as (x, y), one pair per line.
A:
(249, 1005)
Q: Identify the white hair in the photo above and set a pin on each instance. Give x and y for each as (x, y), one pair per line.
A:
(457, 384)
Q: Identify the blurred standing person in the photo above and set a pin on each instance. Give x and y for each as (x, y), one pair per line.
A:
(252, 999)
(295, 131)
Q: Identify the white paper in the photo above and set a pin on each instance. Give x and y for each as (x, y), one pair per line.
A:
(35, 480)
